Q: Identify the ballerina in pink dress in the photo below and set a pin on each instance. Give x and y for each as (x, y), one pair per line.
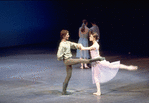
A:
(103, 71)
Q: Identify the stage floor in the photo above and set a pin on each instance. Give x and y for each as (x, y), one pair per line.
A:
(34, 75)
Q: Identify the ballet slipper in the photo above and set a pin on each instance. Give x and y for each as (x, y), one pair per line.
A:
(81, 67)
(97, 93)
(131, 67)
(86, 67)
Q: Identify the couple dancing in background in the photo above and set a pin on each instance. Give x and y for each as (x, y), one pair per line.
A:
(102, 70)
(83, 39)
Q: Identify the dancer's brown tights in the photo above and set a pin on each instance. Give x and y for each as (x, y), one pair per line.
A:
(76, 61)
(69, 72)
(69, 64)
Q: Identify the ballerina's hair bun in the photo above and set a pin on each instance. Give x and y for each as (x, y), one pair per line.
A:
(95, 35)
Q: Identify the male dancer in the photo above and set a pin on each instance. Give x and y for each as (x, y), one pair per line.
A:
(64, 53)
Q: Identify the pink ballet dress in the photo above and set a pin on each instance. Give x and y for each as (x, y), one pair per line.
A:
(103, 71)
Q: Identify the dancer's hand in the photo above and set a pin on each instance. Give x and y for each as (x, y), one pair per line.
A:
(80, 46)
(83, 48)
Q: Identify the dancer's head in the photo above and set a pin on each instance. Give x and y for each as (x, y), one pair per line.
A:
(93, 21)
(93, 36)
(64, 34)
(84, 22)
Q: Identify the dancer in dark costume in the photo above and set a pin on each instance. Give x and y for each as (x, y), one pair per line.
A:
(95, 29)
(64, 53)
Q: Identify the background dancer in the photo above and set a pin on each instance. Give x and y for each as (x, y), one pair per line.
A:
(83, 39)
(95, 29)
(103, 71)
(64, 53)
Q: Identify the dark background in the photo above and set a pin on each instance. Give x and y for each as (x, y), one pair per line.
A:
(123, 24)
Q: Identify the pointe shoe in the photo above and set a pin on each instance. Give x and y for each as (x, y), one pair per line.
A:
(97, 93)
(131, 67)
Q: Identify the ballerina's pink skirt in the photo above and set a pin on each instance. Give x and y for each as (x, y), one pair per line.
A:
(104, 71)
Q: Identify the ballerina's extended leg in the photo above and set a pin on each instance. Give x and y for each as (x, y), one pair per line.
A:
(131, 67)
(122, 66)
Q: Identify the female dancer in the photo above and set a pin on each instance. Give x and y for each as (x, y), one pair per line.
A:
(64, 53)
(83, 39)
(103, 71)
